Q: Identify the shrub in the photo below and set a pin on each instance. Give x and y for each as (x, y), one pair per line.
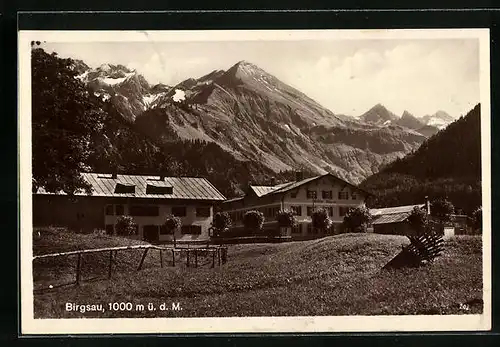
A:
(418, 219)
(172, 224)
(125, 226)
(357, 219)
(320, 219)
(253, 220)
(441, 210)
(477, 218)
(221, 223)
(286, 219)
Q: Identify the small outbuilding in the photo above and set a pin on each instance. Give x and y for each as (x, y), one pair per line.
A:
(393, 220)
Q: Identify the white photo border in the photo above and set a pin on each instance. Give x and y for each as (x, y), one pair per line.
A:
(431, 323)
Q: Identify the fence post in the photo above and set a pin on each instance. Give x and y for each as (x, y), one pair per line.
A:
(173, 258)
(78, 265)
(142, 259)
(187, 257)
(195, 258)
(161, 258)
(213, 258)
(219, 255)
(110, 263)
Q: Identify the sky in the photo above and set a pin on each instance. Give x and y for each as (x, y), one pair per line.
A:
(421, 76)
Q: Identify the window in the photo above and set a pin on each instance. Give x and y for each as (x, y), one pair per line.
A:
(144, 210)
(293, 194)
(179, 211)
(155, 189)
(203, 212)
(330, 211)
(296, 229)
(343, 210)
(309, 228)
(109, 210)
(327, 194)
(343, 195)
(297, 210)
(191, 229)
(122, 188)
(119, 210)
(354, 196)
(110, 229)
(309, 210)
(312, 194)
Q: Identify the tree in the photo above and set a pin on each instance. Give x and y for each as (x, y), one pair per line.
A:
(418, 220)
(441, 210)
(320, 219)
(221, 223)
(286, 219)
(125, 226)
(477, 218)
(253, 220)
(64, 118)
(172, 224)
(356, 219)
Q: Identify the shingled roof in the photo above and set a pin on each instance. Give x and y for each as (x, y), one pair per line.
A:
(139, 186)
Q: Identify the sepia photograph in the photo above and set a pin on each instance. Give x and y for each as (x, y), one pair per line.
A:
(255, 181)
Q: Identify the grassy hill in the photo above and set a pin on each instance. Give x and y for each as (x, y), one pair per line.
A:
(336, 275)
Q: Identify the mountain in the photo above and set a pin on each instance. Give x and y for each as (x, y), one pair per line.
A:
(260, 125)
(409, 121)
(125, 88)
(447, 164)
(440, 119)
(379, 115)
(257, 117)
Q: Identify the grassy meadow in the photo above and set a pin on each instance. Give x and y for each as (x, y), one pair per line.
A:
(335, 275)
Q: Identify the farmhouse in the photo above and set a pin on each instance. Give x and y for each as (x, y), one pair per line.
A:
(148, 199)
(301, 196)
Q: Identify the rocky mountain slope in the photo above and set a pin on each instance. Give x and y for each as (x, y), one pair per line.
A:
(125, 88)
(255, 117)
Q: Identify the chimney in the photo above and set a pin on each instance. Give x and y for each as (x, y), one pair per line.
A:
(427, 205)
(114, 175)
(162, 177)
(273, 181)
(299, 176)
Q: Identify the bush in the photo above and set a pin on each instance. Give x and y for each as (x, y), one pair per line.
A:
(441, 210)
(477, 218)
(253, 220)
(320, 219)
(357, 219)
(286, 219)
(172, 223)
(418, 219)
(221, 223)
(125, 226)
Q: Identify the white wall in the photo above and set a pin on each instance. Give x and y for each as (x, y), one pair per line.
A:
(164, 211)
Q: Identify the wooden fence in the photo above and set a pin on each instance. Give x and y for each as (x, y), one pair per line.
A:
(218, 253)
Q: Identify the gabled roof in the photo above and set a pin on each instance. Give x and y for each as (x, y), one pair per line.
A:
(189, 188)
(395, 209)
(293, 185)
